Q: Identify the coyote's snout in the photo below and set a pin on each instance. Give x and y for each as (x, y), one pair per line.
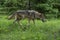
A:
(30, 14)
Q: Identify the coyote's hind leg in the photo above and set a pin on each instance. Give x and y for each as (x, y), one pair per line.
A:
(28, 22)
(33, 21)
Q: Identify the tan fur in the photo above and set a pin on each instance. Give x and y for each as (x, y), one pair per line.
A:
(32, 15)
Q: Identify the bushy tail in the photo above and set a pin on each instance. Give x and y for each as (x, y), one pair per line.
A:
(11, 16)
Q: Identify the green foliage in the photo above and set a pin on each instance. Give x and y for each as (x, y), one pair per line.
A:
(49, 30)
(44, 6)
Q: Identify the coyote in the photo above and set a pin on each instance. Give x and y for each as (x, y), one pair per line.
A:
(30, 14)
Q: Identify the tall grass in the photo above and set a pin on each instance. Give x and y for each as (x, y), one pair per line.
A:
(49, 30)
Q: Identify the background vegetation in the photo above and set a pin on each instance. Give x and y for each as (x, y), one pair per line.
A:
(51, 8)
(49, 30)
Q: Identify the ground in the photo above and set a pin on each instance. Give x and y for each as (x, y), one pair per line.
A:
(49, 30)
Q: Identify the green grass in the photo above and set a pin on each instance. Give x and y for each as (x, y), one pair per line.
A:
(49, 30)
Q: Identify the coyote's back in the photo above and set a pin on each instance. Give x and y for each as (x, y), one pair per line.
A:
(30, 14)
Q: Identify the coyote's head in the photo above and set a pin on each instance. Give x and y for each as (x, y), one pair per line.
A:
(41, 16)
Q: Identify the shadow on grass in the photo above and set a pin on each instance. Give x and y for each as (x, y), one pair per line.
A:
(17, 27)
(13, 27)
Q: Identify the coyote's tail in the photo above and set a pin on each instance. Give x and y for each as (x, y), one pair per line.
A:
(11, 16)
